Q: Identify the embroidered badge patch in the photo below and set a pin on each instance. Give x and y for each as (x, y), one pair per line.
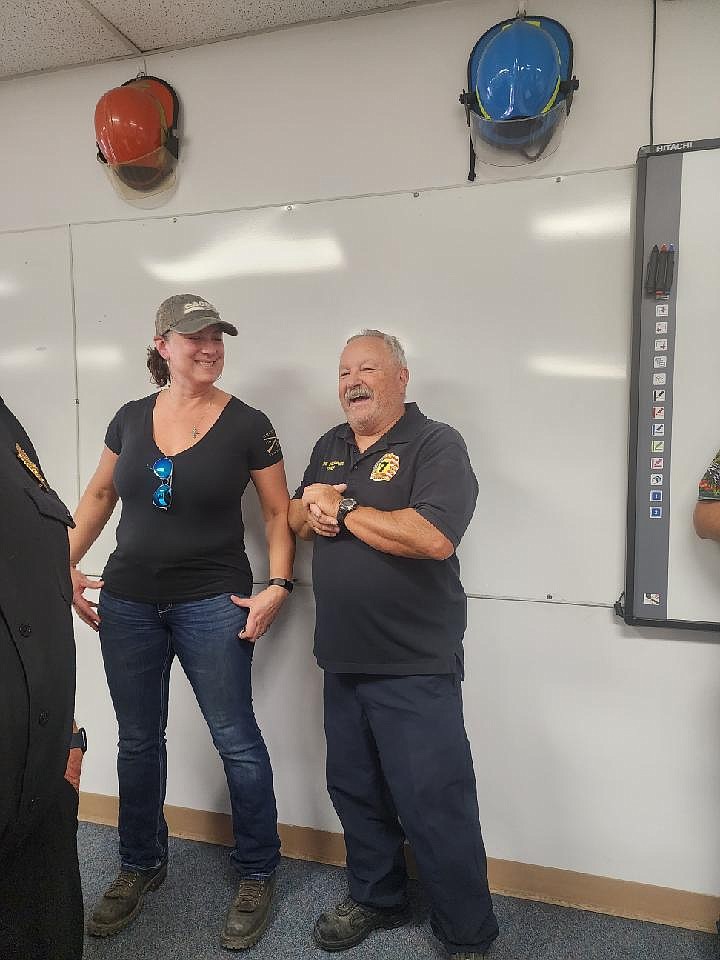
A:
(386, 467)
(30, 466)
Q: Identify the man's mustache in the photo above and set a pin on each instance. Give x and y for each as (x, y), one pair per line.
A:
(358, 393)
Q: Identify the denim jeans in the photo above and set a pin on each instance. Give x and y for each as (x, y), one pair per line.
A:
(139, 642)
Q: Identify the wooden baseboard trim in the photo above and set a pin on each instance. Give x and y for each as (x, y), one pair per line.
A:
(618, 898)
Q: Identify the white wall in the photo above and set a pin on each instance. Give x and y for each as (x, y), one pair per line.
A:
(368, 105)
(594, 743)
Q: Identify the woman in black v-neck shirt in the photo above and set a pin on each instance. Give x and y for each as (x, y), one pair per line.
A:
(179, 584)
(196, 548)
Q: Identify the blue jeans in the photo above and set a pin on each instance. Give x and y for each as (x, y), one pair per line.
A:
(139, 642)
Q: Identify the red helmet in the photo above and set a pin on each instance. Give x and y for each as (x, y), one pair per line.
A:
(135, 129)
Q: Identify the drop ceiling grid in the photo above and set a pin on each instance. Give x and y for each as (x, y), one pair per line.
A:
(42, 34)
(166, 23)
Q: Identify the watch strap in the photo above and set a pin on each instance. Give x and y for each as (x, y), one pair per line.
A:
(281, 582)
(79, 740)
(347, 505)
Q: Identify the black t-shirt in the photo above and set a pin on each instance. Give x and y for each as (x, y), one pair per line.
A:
(196, 549)
(376, 613)
(37, 649)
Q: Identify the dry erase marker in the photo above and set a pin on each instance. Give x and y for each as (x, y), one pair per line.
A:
(651, 271)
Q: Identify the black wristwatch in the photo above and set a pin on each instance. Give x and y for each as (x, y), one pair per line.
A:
(79, 739)
(281, 582)
(346, 506)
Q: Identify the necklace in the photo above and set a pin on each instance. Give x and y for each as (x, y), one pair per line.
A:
(195, 432)
(176, 415)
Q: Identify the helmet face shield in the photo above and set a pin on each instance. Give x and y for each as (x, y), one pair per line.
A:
(510, 143)
(144, 178)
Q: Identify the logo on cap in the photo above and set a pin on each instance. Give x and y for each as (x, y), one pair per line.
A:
(198, 305)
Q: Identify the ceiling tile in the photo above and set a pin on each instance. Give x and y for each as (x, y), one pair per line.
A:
(42, 34)
(163, 23)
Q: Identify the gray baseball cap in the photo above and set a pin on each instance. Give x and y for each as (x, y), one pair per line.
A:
(188, 313)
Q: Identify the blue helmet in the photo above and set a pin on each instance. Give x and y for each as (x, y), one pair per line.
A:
(520, 87)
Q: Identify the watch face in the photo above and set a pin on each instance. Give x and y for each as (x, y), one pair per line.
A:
(347, 504)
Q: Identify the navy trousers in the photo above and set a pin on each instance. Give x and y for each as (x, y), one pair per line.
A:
(399, 765)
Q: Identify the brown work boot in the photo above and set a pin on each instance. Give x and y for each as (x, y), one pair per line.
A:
(123, 900)
(248, 914)
(349, 923)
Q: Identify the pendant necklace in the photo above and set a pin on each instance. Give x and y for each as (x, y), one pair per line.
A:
(195, 433)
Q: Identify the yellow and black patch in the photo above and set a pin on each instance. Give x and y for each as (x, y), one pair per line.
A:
(272, 444)
(331, 465)
(30, 466)
(386, 467)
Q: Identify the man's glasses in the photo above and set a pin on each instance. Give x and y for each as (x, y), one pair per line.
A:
(163, 470)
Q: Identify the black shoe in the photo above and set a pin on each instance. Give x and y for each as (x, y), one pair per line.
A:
(248, 914)
(349, 923)
(123, 900)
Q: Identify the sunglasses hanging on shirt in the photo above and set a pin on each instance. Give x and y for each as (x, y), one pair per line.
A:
(163, 470)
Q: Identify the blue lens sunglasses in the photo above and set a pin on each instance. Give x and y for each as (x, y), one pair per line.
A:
(163, 470)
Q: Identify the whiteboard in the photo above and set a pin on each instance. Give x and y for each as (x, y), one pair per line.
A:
(37, 363)
(673, 577)
(513, 301)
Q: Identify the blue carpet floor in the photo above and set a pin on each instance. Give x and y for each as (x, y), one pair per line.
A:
(182, 920)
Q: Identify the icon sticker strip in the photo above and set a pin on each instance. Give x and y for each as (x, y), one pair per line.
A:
(653, 407)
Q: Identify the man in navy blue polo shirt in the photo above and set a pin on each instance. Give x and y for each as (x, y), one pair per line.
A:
(387, 497)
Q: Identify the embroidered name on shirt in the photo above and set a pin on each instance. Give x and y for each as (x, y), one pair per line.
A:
(30, 466)
(386, 467)
(331, 465)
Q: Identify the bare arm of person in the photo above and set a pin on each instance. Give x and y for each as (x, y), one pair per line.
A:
(402, 533)
(73, 768)
(299, 521)
(263, 607)
(706, 519)
(93, 512)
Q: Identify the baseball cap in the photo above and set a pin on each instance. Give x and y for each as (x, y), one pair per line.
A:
(188, 313)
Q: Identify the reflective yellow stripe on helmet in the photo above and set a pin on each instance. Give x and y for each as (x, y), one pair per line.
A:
(551, 102)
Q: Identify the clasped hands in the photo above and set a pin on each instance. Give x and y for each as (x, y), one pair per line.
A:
(322, 501)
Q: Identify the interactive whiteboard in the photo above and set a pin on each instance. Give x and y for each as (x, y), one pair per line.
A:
(673, 578)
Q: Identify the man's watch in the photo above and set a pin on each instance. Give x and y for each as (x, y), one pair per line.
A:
(79, 739)
(346, 506)
(281, 582)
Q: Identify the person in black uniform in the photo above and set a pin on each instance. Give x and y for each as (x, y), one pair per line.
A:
(41, 909)
(387, 497)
